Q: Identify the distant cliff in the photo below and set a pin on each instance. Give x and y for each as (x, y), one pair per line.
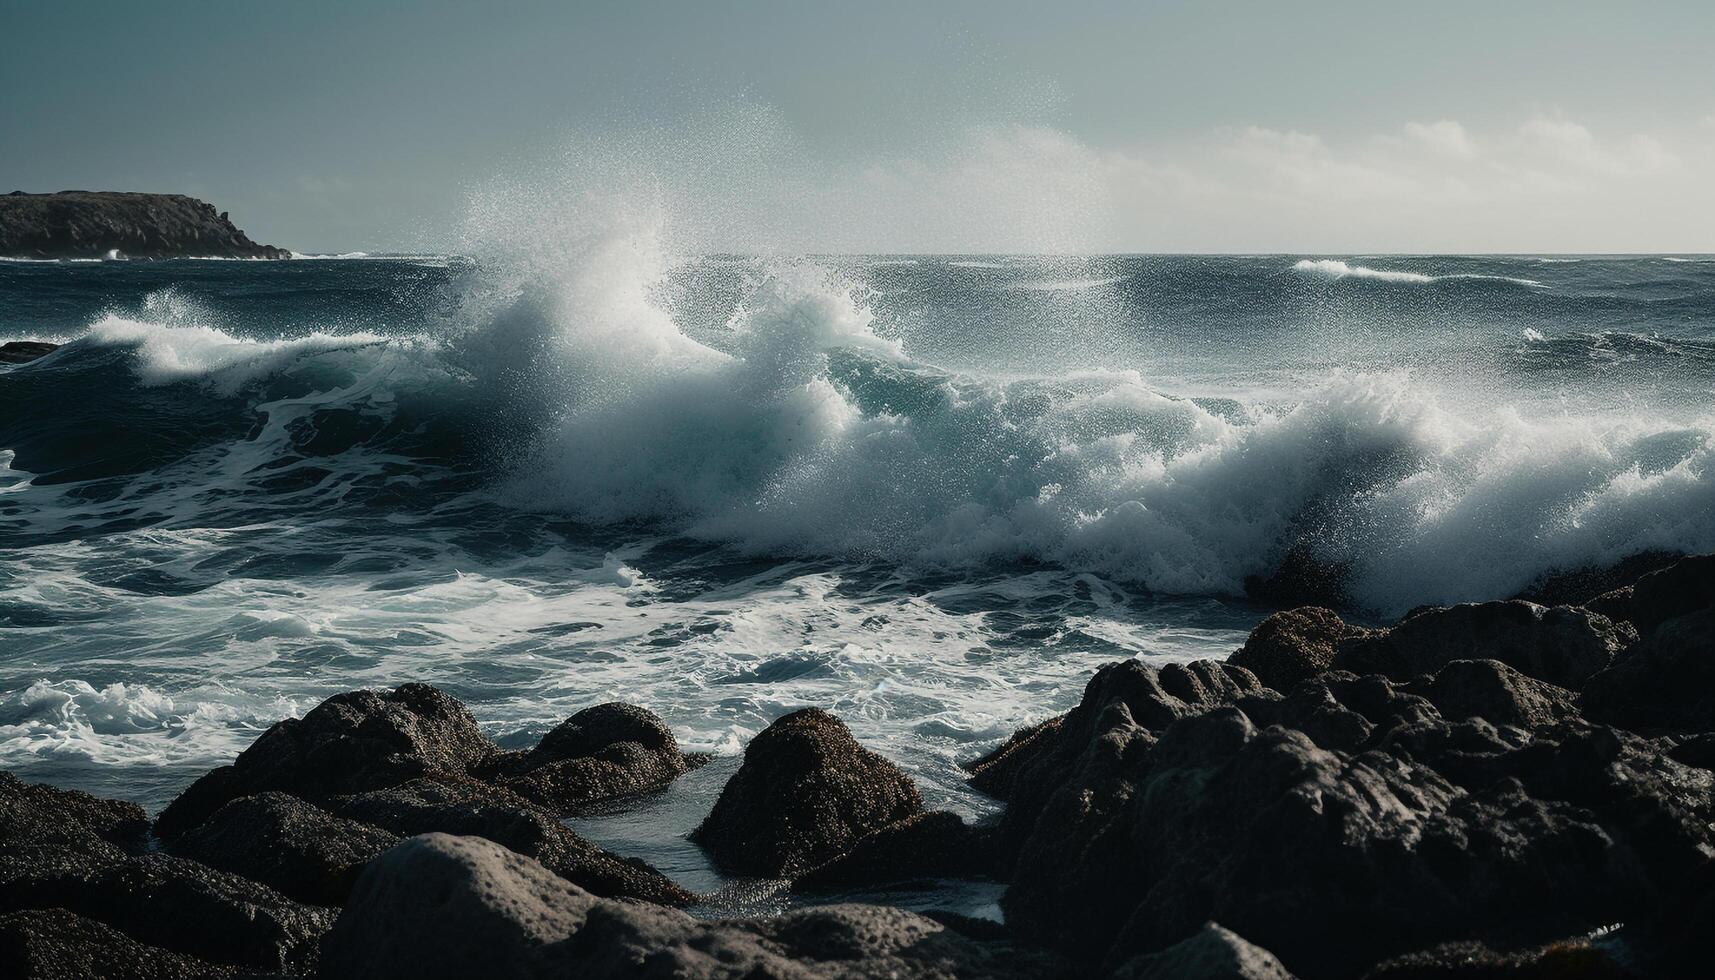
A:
(91, 224)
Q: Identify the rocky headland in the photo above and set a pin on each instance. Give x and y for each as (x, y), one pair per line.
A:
(1502, 789)
(98, 224)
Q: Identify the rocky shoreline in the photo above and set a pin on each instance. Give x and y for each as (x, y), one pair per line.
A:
(1502, 789)
(102, 224)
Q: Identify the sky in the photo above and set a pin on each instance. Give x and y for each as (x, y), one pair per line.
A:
(1209, 126)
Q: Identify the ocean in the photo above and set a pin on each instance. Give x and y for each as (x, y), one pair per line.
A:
(930, 494)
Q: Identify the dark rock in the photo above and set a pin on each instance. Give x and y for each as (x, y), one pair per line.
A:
(291, 846)
(465, 807)
(1569, 960)
(53, 944)
(1683, 588)
(1303, 578)
(1291, 646)
(807, 791)
(603, 752)
(1213, 953)
(928, 845)
(997, 772)
(188, 908)
(1581, 586)
(1563, 645)
(1491, 690)
(114, 821)
(91, 224)
(440, 906)
(21, 351)
(1666, 682)
(350, 743)
(1698, 751)
(1370, 827)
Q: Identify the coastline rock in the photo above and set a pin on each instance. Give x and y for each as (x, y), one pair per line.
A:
(1568, 960)
(297, 849)
(1582, 586)
(997, 772)
(114, 821)
(185, 907)
(806, 793)
(1666, 682)
(350, 743)
(23, 351)
(1213, 953)
(440, 906)
(929, 845)
(465, 807)
(1294, 645)
(1682, 588)
(53, 944)
(1344, 823)
(93, 224)
(607, 751)
(1563, 645)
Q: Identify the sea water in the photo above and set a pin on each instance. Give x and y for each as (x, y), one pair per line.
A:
(930, 494)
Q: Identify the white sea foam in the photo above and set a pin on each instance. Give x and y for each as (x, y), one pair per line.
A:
(1336, 269)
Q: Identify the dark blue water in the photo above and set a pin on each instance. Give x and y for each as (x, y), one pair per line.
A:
(928, 493)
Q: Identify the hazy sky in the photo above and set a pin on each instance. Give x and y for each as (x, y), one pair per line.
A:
(1194, 126)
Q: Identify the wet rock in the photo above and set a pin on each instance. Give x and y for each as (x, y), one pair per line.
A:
(22, 351)
(806, 793)
(291, 846)
(1665, 683)
(53, 944)
(189, 908)
(1581, 586)
(1344, 823)
(1685, 587)
(997, 772)
(114, 821)
(439, 906)
(928, 845)
(1213, 953)
(466, 807)
(350, 743)
(1491, 690)
(603, 752)
(1569, 960)
(1563, 645)
(1294, 645)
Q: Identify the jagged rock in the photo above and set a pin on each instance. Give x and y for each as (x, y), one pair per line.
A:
(1294, 645)
(115, 821)
(465, 807)
(1491, 690)
(1581, 586)
(291, 846)
(53, 944)
(1371, 827)
(1685, 587)
(92, 224)
(185, 907)
(1666, 682)
(997, 772)
(1568, 960)
(1563, 645)
(440, 906)
(599, 753)
(1213, 953)
(806, 793)
(350, 743)
(928, 845)
(23, 351)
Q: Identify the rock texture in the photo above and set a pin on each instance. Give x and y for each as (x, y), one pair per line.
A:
(293, 847)
(600, 753)
(92, 224)
(350, 743)
(53, 944)
(439, 906)
(806, 793)
(1213, 953)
